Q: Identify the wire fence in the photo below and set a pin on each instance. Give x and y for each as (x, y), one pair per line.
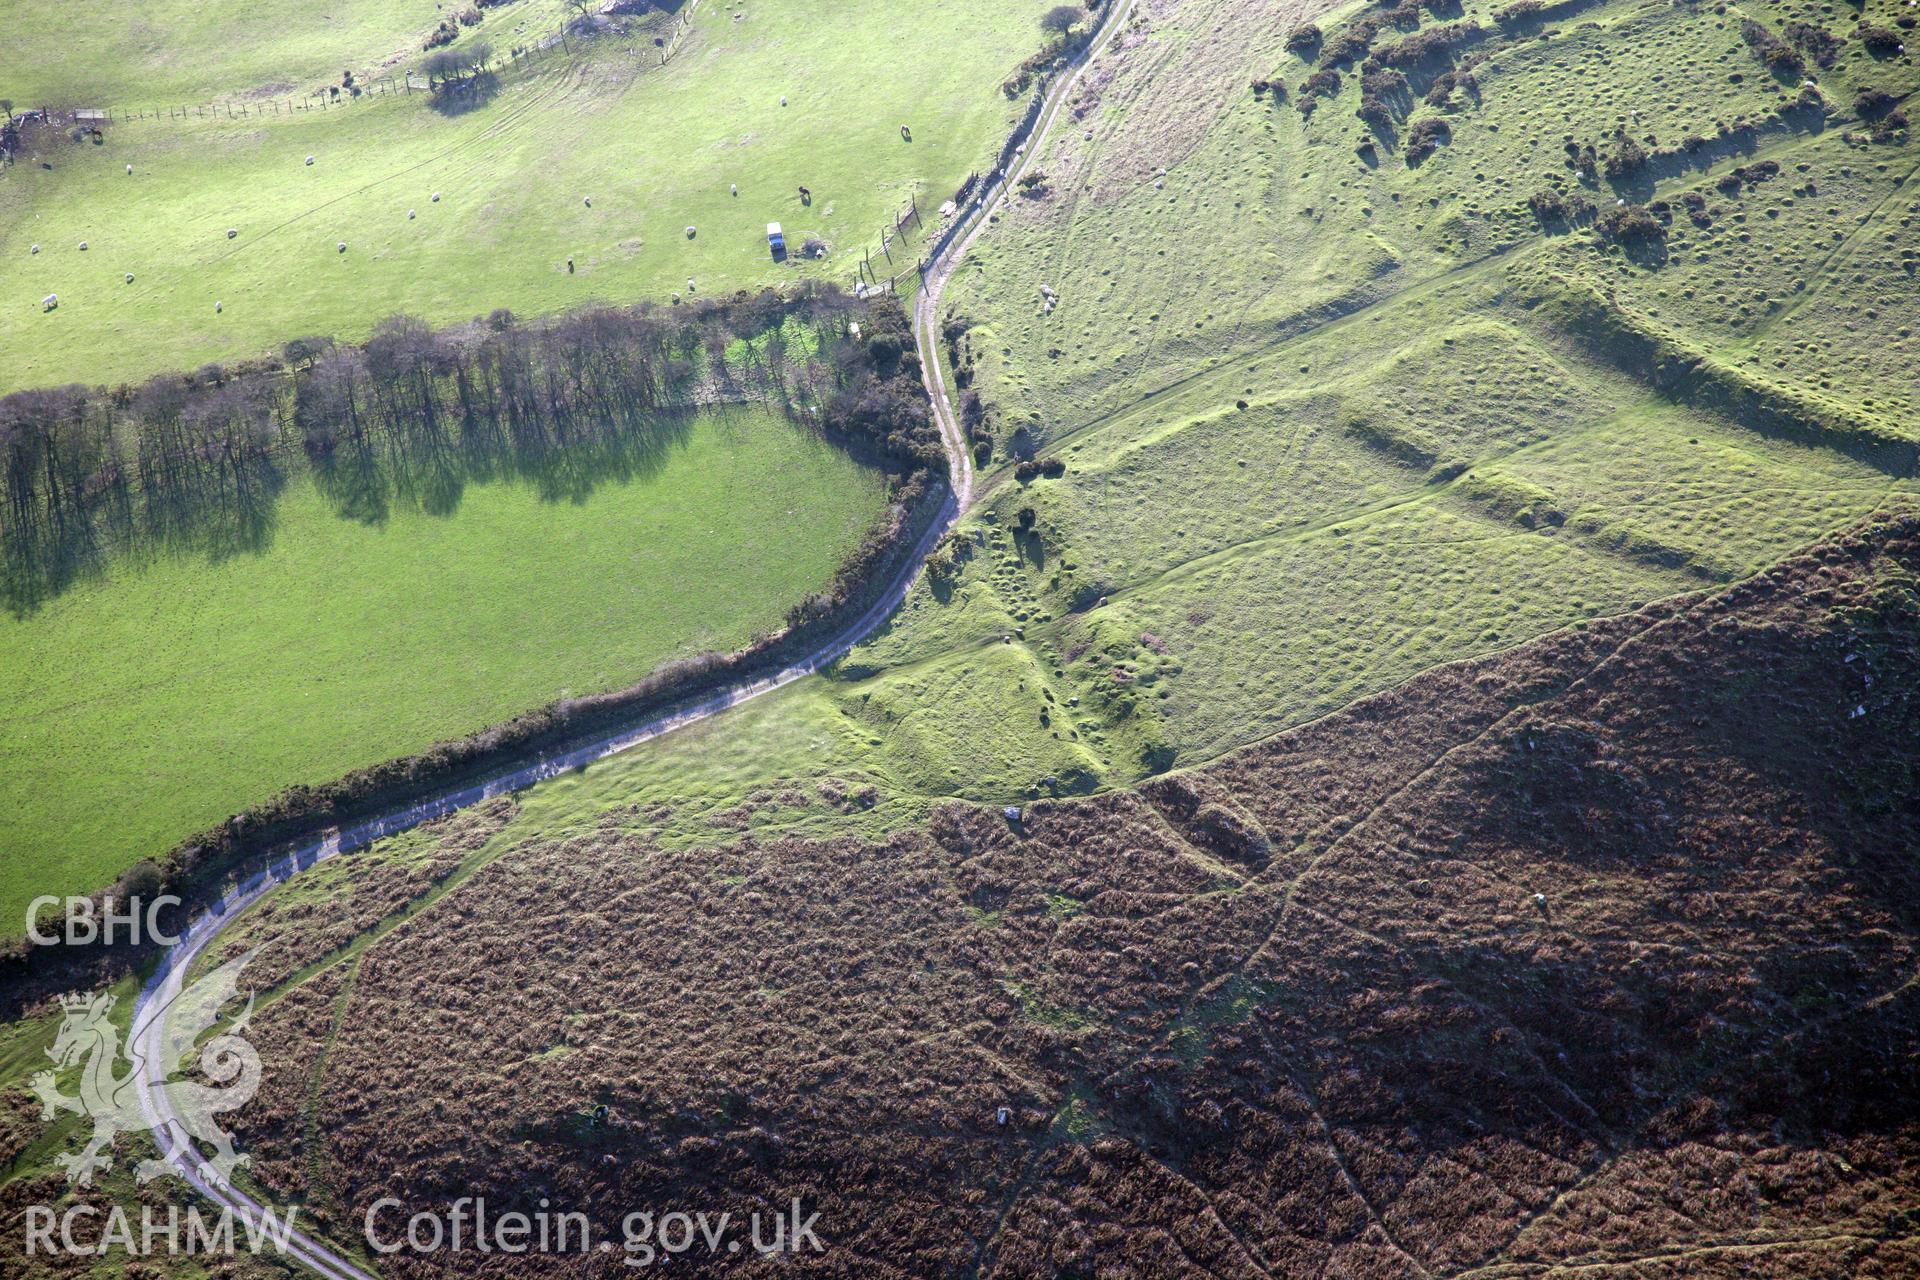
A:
(893, 263)
(333, 97)
(886, 272)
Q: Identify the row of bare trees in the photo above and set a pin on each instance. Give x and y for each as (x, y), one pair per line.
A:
(414, 413)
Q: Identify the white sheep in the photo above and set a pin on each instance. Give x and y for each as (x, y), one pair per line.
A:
(409, 215)
(783, 99)
(49, 302)
(232, 232)
(689, 284)
(129, 277)
(587, 200)
(343, 246)
(309, 159)
(436, 197)
(733, 188)
(36, 248)
(690, 232)
(83, 246)
(129, 168)
(216, 308)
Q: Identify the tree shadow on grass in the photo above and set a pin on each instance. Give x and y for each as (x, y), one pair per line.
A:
(216, 516)
(362, 479)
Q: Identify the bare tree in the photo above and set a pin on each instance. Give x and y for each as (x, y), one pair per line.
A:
(583, 10)
(1061, 19)
(442, 66)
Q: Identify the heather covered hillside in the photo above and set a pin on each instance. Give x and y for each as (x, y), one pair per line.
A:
(1598, 953)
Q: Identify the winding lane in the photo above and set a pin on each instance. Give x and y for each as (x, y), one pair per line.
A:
(162, 990)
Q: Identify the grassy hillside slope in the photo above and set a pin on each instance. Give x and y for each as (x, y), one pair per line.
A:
(1514, 970)
(1326, 420)
(176, 52)
(657, 150)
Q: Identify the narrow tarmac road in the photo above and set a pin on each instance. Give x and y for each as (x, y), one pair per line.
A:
(162, 990)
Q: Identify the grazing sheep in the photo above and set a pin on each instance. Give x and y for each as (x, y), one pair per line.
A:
(232, 232)
(436, 197)
(690, 233)
(689, 284)
(129, 277)
(36, 248)
(343, 246)
(83, 246)
(309, 159)
(587, 200)
(569, 264)
(733, 188)
(129, 168)
(783, 99)
(409, 215)
(216, 308)
(906, 133)
(49, 302)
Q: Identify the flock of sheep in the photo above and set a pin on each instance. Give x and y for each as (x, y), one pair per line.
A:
(52, 300)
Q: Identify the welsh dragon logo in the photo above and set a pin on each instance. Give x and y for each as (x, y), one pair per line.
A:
(160, 1044)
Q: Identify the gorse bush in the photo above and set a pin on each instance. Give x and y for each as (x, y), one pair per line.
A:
(1426, 137)
(1518, 12)
(1817, 42)
(1430, 45)
(1779, 56)
(1626, 159)
(1879, 41)
(1548, 206)
(1351, 45)
(1324, 83)
(1440, 92)
(1380, 90)
(1872, 103)
(1632, 224)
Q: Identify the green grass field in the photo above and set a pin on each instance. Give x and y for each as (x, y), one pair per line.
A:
(1316, 437)
(1177, 239)
(657, 150)
(143, 707)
